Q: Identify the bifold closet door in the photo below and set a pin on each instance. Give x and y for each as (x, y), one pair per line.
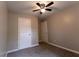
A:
(24, 32)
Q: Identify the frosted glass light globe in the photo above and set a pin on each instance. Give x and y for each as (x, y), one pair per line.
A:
(43, 10)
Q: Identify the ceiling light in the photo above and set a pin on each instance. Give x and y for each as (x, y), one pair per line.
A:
(43, 10)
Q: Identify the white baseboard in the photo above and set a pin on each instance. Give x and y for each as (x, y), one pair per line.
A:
(74, 51)
(14, 50)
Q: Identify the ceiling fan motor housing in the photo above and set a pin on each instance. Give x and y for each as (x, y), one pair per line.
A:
(42, 6)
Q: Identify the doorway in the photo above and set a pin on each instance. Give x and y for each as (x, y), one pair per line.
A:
(24, 32)
(44, 31)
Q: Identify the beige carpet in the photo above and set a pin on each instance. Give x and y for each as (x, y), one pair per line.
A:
(43, 50)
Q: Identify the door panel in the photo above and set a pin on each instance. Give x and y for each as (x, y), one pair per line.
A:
(25, 34)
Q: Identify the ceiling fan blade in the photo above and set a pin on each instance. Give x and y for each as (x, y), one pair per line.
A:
(48, 9)
(38, 4)
(36, 10)
(49, 4)
(40, 12)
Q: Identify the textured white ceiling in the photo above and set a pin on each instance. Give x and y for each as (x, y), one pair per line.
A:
(26, 7)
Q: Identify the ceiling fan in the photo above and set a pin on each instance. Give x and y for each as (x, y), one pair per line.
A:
(43, 7)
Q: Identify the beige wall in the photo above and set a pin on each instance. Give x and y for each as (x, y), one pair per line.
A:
(39, 30)
(3, 27)
(35, 33)
(13, 29)
(63, 28)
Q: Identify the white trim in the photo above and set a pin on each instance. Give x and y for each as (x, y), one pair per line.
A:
(74, 51)
(14, 50)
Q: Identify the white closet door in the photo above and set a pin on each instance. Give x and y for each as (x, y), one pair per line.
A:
(24, 32)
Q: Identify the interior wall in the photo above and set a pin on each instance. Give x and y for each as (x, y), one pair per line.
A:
(39, 30)
(3, 28)
(35, 30)
(63, 28)
(13, 29)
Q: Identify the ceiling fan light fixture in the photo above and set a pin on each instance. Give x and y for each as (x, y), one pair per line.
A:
(43, 10)
(43, 7)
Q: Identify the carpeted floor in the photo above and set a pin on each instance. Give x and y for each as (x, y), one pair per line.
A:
(43, 50)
